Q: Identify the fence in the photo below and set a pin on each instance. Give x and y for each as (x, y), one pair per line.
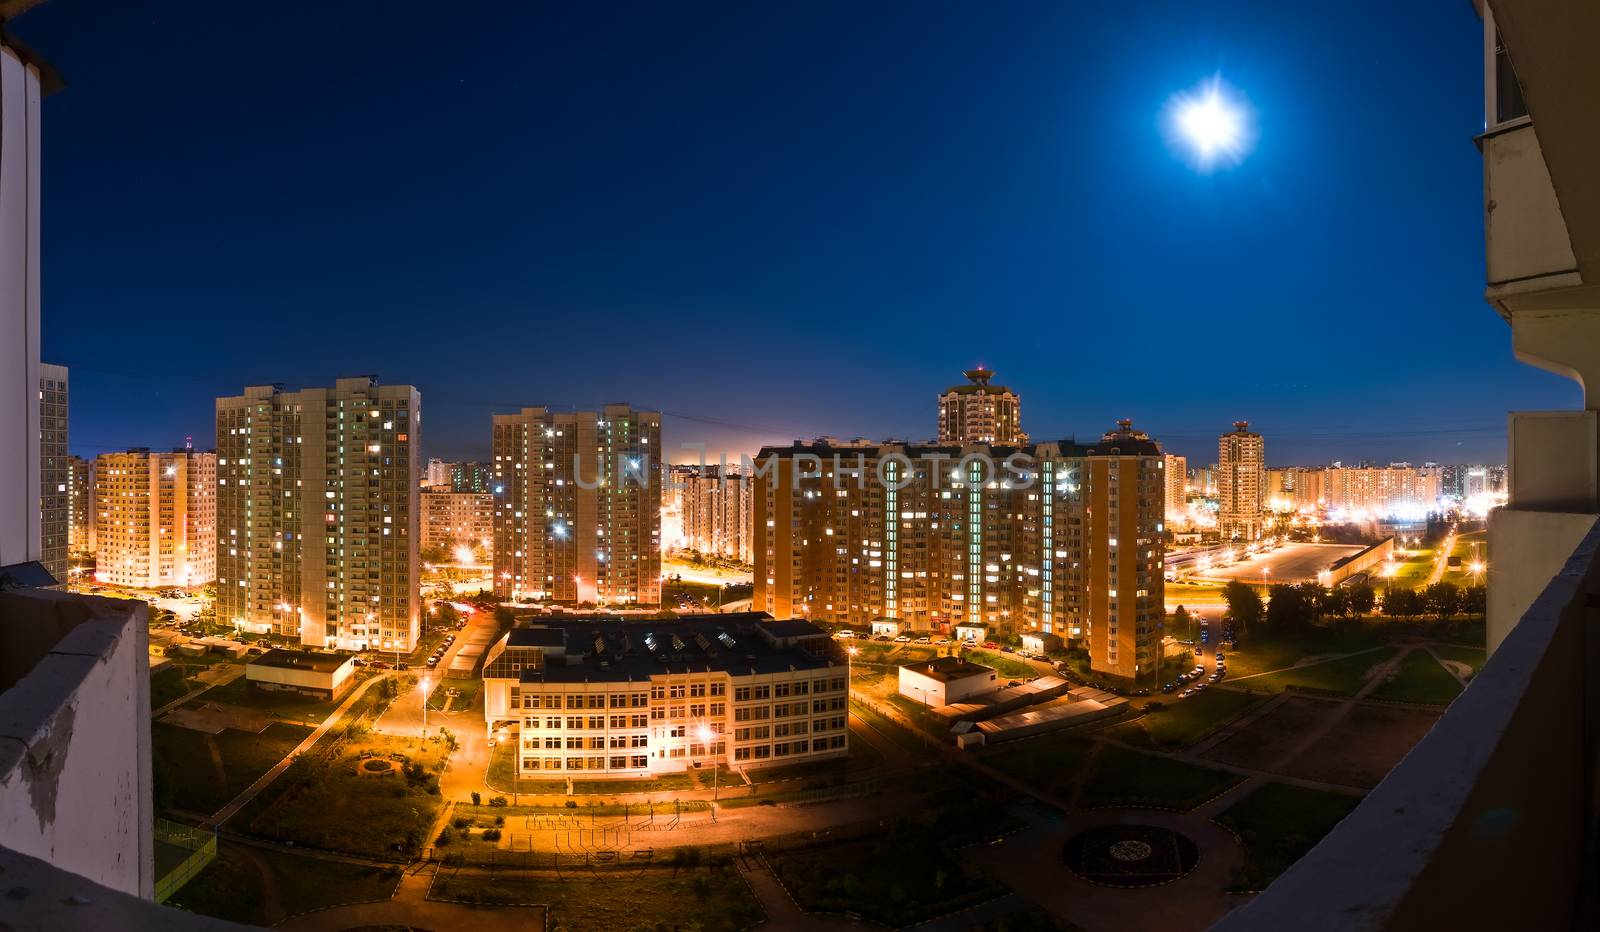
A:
(201, 845)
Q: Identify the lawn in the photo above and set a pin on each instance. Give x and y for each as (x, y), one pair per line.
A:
(1181, 722)
(166, 685)
(329, 804)
(187, 776)
(714, 899)
(231, 887)
(305, 710)
(1119, 777)
(1259, 652)
(1341, 677)
(1420, 678)
(900, 873)
(1278, 824)
(1049, 763)
(1009, 668)
(1473, 657)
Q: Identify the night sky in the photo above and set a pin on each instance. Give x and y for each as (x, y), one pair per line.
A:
(773, 224)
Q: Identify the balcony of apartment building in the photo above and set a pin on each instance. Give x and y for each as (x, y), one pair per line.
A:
(1490, 822)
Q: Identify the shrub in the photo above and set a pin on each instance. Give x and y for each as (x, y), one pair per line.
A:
(572, 804)
(499, 820)
(462, 822)
(491, 834)
(445, 836)
(499, 802)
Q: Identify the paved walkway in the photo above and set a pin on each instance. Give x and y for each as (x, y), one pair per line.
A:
(221, 816)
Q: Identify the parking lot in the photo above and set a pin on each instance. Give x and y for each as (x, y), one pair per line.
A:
(1290, 563)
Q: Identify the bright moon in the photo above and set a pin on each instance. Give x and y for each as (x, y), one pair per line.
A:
(1210, 125)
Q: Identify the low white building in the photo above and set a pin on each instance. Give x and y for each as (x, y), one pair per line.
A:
(975, 633)
(1041, 642)
(944, 680)
(325, 674)
(891, 627)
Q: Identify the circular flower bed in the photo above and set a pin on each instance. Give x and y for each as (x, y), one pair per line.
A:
(1130, 855)
(376, 766)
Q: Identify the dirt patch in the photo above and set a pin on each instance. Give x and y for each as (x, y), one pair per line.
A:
(1260, 744)
(1363, 747)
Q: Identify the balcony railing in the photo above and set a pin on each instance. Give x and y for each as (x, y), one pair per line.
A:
(1489, 822)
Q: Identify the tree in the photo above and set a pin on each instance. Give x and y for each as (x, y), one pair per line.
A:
(1443, 599)
(1314, 597)
(1362, 598)
(1401, 602)
(1180, 619)
(1336, 604)
(1244, 604)
(1474, 600)
(1288, 608)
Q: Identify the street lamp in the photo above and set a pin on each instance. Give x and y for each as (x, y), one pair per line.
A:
(424, 705)
(706, 735)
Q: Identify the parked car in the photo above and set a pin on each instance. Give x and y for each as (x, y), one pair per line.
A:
(1186, 694)
(923, 640)
(1168, 687)
(903, 639)
(990, 645)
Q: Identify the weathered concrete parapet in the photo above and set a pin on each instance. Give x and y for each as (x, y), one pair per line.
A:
(41, 896)
(75, 783)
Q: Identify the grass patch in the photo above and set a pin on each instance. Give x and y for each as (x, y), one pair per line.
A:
(1120, 777)
(1051, 763)
(1259, 652)
(899, 873)
(187, 773)
(1473, 657)
(167, 685)
(715, 899)
(1009, 668)
(1278, 824)
(231, 887)
(326, 803)
(1340, 677)
(1181, 722)
(1420, 678)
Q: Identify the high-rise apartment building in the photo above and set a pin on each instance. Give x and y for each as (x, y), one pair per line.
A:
(452, 519)
(1241, 475)
(1060, 537)
(318, 515)
(1175, 475)
(80, 505)
(471, 477)
(157, 519)
(578, 506)
(980, 413)
(712, 504)
(437, 473)
(54, 476)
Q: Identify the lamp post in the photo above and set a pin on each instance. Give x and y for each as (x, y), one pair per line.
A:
(424, 706)
(706, 736)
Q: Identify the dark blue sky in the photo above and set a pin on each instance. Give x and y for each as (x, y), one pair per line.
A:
(777, 223)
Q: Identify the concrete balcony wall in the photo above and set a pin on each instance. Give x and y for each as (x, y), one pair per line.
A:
(1524, 233)
(1486, 823)
(75, 786)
